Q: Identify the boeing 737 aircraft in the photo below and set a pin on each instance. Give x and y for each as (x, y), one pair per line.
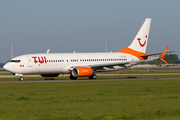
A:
(84, 64)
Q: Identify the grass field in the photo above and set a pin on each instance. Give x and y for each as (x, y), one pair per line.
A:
(91, 100)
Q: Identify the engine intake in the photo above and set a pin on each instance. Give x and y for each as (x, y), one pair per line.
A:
(82, 72)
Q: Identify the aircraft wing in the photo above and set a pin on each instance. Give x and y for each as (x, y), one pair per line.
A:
(128, 63)
(118, 64)
(111, 65)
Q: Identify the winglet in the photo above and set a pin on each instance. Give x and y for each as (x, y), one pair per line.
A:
(163, 54)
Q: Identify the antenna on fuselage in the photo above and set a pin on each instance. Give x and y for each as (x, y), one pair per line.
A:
(47, 51)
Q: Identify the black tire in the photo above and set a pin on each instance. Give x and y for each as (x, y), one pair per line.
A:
(20, 78)
(93, 76)
(72, 77)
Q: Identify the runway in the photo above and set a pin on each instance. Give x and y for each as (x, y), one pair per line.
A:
(66, 75)
(12, 76)
(116, 79)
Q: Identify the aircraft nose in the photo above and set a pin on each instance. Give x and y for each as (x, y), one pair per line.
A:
(7, 66)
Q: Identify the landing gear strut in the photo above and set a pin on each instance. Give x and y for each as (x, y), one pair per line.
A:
(20, 76)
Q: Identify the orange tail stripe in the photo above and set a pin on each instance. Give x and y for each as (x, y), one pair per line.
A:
(134, 53)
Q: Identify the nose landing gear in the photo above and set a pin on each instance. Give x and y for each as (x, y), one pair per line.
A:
(20, 76)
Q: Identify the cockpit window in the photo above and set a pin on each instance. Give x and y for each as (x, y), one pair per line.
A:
(16, 61)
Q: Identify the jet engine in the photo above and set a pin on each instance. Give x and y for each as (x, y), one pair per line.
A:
(49, 75)
(82, 72)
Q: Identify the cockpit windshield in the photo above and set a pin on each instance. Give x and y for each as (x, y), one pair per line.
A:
(16, 61)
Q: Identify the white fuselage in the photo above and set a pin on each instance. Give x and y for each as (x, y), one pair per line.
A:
(60, 63)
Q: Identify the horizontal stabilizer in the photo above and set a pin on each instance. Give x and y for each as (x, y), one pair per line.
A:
(155, 54)
(162, 55)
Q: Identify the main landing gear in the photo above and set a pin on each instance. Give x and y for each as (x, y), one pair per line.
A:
(21, 78)
(93, 76)
(72, 77)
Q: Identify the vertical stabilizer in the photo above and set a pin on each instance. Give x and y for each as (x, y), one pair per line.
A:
(140, 41)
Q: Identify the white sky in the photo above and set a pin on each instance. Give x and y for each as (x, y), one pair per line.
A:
(82, 26)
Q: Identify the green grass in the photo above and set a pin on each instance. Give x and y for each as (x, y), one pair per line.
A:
(91, 100)
(5, 74)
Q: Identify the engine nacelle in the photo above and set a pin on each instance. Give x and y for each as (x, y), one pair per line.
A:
(49, 75)
(82, 72)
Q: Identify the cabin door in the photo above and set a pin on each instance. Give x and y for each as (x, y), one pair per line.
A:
(30, 62)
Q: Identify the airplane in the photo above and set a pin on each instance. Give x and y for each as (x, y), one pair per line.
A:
(84, 64)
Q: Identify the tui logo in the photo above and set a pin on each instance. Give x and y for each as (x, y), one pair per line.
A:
(40, 59)
(142, 45)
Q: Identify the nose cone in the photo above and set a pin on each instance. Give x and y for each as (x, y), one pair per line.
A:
(7, 67)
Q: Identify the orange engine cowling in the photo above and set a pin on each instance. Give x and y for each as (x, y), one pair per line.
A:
(82, 72)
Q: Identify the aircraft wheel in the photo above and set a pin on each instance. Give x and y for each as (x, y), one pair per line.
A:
(93, 76)
(72, 77)
(20, 78)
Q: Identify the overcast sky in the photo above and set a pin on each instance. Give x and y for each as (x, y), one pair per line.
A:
(82, 26)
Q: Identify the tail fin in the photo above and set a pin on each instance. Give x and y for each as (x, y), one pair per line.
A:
(139, 44)
(140, 41)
